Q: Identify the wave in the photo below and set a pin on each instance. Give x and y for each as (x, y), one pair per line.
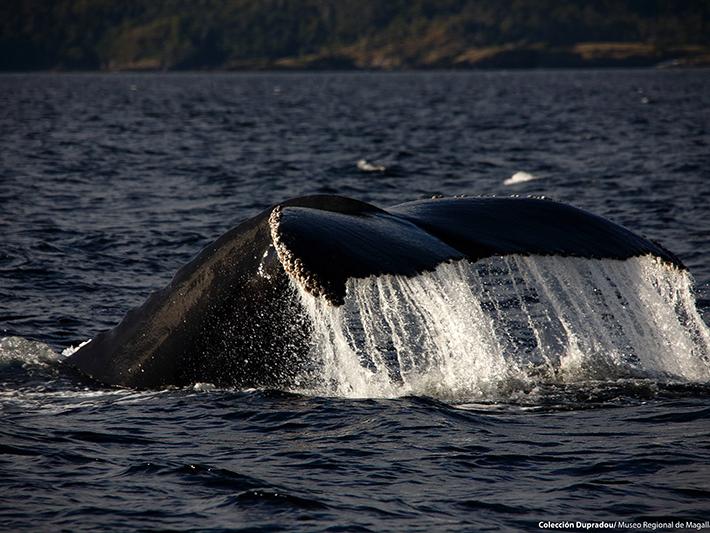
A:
(18, 350)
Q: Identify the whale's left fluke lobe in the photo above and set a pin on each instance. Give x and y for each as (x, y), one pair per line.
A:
(323, 249)
(231, 316)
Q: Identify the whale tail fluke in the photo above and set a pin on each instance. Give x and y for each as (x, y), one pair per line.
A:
(322, 248)
(231, 316)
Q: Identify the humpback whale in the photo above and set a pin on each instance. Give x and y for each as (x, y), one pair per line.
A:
(232, 317)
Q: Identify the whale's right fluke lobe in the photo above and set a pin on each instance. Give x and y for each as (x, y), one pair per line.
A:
(483, 227)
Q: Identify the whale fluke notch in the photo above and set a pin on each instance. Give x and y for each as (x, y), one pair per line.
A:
(231, 317)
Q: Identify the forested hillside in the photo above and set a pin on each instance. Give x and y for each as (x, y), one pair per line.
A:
(384, 34)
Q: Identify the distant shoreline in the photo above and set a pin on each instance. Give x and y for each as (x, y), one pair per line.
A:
(602, 55)
(344, 35)
(296, 70)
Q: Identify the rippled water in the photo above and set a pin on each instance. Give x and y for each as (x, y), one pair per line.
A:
(109, 183)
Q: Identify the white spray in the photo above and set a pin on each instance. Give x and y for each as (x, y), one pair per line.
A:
(480, 330)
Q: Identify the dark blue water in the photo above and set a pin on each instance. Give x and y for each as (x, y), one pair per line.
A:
(109, 183)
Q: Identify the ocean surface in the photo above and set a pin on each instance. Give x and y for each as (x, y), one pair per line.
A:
(109, 183)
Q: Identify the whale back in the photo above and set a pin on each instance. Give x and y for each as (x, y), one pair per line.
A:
(206, 323)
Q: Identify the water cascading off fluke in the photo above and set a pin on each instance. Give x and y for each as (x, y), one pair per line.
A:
(480, 331)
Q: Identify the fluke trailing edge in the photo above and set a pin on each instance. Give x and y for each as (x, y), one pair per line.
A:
(232, 316)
